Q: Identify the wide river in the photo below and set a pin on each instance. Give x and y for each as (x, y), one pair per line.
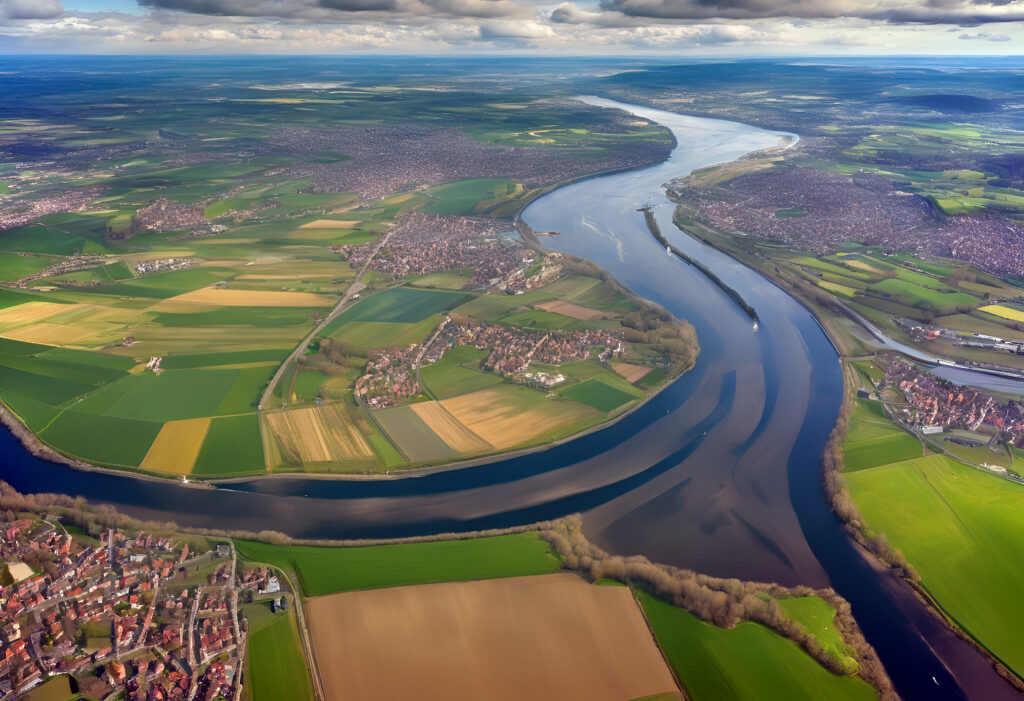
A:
(720, 472)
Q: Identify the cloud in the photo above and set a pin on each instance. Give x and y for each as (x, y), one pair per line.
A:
(984, 36)
(30, 9)
(341, 10)
(963, 12)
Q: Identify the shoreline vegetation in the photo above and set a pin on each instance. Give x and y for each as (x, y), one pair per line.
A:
(725, 603)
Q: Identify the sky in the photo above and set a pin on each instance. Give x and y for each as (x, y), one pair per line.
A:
(543, 27)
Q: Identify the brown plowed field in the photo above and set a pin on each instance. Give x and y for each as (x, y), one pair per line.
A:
(572, 310)
(633, 373)
(547, 637)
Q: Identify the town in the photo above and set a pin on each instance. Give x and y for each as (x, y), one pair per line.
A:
(142, 614)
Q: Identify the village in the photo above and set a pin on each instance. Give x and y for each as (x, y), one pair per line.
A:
(391, 374)
(140, 617)
(934, 404)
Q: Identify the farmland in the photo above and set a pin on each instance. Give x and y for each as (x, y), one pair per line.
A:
(324, 570)
(745, 662)
(176, 290)
(959, 528)
(555, 632)
(276, 666)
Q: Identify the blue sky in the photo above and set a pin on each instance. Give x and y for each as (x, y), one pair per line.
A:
(605, 27)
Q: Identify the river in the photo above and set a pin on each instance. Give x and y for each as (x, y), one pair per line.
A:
(719, 473)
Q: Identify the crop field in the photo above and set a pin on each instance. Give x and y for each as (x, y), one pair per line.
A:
(226, 297)
(574, 311)
(233, 444)
(448, 429)
(316, 434)
(176, 446)
(323, 570)
(872, 439)
(382, 334)
(106, 440)
(411, 434)
(399, 304)
(749, 661)
(600, 394)
(632, 373)
(511, 415)
(556, 632)
(1003, 312)
(450, 281)
(277, 669)
(470, 196)
(962, 529)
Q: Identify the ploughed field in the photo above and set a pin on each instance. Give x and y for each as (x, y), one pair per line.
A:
(554, 635)
(146, 308)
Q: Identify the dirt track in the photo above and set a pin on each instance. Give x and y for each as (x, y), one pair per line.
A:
(552, 636)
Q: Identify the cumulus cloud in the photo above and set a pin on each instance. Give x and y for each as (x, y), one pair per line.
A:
(30, 9)
(896, 11)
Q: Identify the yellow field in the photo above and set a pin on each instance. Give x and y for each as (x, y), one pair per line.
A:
(330, 224)
(251, 298)
(862, 265)
(30, 312)
(51, 334)
(1004, 312)
(545, 637)
(573, 310)
(447, 427)
(632, 373)
(177, 446)
(499, 418)
(315, 434)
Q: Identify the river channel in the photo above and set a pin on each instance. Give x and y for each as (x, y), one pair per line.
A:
(719, 473)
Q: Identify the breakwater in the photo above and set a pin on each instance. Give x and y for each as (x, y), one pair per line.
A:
(655, 229)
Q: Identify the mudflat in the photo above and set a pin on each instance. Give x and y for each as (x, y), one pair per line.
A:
(547, 636)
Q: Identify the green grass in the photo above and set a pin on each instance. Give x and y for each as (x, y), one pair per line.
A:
(599, 394)
(399, 304)
(446, 379)
(201, 360)
(41, 239)
(818, 617)
(173, 395)
(102, 439)
(749, 661)
(910, 294)
(328, 570)
(897, 447)
(277, 669)
(963, 531)
(14, 267)
(233, 445)
(383, 334)
(463, 196)
(238, 316)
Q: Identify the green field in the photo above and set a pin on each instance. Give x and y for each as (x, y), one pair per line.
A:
(962, 530)
(448, 377)
(880, 451)
(818, 617)
(382, 334)
(328, 570)
(749, 661)
(233, 444)
(464, 196)
(103, 439)
(911, 294)
(412, 436)
(277, 669)
(599, 394)
(399, 304)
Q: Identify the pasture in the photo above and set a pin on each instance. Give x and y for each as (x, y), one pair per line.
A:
(818, 618)
(872, 440)
(600, 394)
(233, 444)
(555, 633)
(323, 570)
(446, 378)
(277, 669)
(748, 662)
(962, 529)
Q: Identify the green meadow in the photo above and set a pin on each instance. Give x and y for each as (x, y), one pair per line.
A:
(963, 531)
(277, 669)
(329, 570)
(749, 661)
